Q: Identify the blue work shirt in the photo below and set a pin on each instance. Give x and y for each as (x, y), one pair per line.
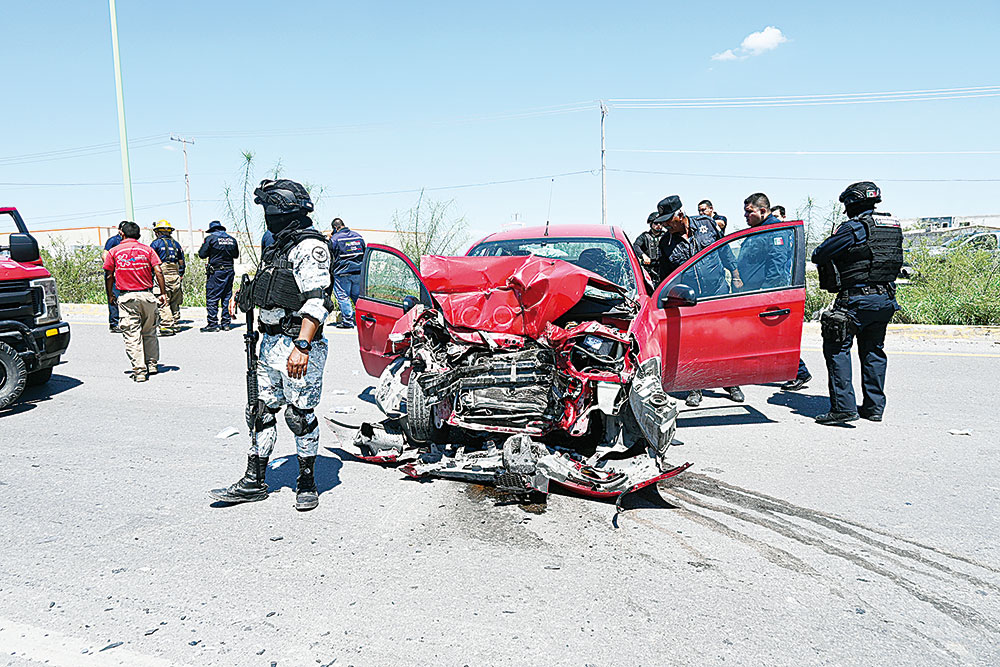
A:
(348, 251)
(113, 241)
(220, 249)
(765, 260)
(267, 240)
(168, 250)
(707, 274)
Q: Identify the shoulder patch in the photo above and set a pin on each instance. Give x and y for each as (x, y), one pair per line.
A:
(321, 254)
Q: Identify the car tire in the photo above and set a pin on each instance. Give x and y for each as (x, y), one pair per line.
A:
(36, 378)
(13, 375)
(421, 424)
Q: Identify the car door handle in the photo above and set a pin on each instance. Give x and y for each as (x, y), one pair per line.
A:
(368, 318)
(775, 313)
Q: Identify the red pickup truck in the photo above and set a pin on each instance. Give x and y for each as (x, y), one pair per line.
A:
(545, 354)
(33, 336)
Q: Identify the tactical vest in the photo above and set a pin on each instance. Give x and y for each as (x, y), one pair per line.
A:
(274, 286)
(878, 260)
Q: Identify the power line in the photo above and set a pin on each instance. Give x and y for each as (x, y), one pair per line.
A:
(98, 214)
(465, 185)
(559, 109)
(87, 185)
(808, 100)
(720, 152)
(83, 151)
(808, 178)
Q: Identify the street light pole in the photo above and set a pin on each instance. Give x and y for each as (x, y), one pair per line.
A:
(604, 170)
(122, 134)
(187, 187)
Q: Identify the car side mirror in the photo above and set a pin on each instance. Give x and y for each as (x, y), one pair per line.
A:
(409, 302)
(24, 248)
(678, 296)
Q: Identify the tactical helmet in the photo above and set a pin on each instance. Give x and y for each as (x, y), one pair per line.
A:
(282, 197)
(863, 191)
(162, 225)
(652, 217)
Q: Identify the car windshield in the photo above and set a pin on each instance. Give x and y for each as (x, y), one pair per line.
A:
(605, 257)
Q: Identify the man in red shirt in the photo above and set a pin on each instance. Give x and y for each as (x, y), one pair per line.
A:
(130, 266)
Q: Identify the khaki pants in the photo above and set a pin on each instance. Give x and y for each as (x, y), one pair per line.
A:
(170, 312)
(138, 323)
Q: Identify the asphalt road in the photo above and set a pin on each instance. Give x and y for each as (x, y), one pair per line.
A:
(786, 543)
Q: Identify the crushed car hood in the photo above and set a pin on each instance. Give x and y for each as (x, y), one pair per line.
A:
(507, 295)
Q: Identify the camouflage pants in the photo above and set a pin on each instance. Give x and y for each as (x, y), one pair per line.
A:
(276, 389)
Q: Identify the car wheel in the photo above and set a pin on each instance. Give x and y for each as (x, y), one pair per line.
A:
(422, 423)
(36, 378)
(13, 375)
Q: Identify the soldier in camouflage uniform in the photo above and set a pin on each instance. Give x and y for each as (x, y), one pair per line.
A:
(291, 288)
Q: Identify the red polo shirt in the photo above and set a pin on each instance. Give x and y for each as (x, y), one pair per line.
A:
(133, 264)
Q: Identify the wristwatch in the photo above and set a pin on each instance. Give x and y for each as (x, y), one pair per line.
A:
(302, 345)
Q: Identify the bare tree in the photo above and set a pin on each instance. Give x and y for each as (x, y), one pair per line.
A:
(820, 220)
(245, 218)
(429, 228)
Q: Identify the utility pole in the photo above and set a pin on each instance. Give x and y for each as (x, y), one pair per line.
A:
(187, 187)
(604, 170)
(122, 134)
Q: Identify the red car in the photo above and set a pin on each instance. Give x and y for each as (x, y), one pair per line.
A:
(544, 355)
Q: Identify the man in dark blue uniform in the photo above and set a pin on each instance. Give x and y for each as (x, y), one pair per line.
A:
(706, 208)
(113, 313)
(860, 263)
(687, 237)
(172, 265)
(348, 250)
(220, 249)
(647, 248)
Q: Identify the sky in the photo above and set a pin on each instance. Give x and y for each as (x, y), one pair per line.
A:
(374, 101)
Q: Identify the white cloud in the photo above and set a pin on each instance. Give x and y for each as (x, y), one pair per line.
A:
(767, 39)
(168, 147)
(754, 44)
(728, 54)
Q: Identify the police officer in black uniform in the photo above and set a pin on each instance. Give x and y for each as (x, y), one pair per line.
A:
(647, 247)
(220, 249)
(860, 263)
(686, 238)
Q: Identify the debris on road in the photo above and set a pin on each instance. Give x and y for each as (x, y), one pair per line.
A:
(227, 433)
(536, 386)
(959, 431)
(111, 646)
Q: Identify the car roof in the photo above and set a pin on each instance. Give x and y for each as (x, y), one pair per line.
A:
(556, 231)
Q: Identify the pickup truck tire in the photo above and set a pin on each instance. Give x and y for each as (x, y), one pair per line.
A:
(13, 375)
(36, 378)
(421, 423)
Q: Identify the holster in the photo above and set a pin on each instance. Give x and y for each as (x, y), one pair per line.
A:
(209, 269)
(836, 325)
(829, 277)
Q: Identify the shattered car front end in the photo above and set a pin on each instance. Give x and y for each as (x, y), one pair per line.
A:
(503, 381)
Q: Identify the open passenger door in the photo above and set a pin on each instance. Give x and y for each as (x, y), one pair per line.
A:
(390, 285)
(710, 331)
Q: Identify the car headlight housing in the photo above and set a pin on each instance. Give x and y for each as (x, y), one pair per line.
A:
(50, 300)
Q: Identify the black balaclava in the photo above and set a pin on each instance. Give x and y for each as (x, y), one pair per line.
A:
(279, 222)
(854, 210)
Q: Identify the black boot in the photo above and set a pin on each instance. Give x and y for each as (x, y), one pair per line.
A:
(248, 489)
(306, 495)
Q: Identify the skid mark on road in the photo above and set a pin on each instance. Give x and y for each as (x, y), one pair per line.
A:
(876, 551)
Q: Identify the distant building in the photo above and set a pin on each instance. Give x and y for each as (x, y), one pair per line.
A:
(950, 222)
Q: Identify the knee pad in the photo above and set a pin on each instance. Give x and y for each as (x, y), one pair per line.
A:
(265, 417)
(300, 422)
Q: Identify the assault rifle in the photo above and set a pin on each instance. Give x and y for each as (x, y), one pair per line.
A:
(251, 337)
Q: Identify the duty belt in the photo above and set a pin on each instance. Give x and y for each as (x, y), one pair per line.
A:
(865, 290)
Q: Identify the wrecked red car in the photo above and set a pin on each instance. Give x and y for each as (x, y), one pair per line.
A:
(544, 356)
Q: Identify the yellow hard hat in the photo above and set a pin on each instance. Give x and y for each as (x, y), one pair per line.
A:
(162, 224)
